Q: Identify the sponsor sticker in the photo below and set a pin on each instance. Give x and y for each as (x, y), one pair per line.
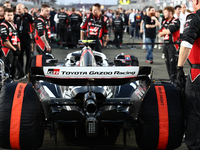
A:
(91, 72)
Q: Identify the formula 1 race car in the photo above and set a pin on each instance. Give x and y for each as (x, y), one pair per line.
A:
(88, 96)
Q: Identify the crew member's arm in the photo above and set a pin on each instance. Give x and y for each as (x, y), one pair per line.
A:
(161, 30)
(84, 27)
(40, 28)
(5, 38)
(173, 27)
(105, 31)
(141, 24)
(190, 34)
(9, 45)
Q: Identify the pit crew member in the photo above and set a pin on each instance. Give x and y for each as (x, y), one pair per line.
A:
(10, 42)
(95, 25)
(171, 32)
(190, 50)
(42, 31)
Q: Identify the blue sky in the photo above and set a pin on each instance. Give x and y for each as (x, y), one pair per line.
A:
(102, 2)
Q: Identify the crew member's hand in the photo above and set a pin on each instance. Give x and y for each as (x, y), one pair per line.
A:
(48, 48)
(181, 79)
(141, 31)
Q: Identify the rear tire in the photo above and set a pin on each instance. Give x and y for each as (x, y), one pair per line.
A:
(31, 130)
(150, 125)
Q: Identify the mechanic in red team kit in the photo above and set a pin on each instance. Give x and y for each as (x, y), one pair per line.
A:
(10, 42)
(171, 32)
(95, 25)
(190, 49)
(42, 31)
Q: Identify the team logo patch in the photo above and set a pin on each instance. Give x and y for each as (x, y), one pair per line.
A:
(53, 71)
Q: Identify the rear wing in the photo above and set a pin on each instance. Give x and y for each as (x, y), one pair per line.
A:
(89, 76)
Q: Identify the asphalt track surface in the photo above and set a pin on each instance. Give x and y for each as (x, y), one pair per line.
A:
(160, 72)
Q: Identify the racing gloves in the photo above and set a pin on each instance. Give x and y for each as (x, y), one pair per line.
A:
(181, 79)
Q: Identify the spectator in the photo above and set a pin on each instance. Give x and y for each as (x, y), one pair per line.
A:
(182, 18)
(7, 4)
(150, 33)
(132, 22)
(138, 19)
(177, 9)
(142, 27)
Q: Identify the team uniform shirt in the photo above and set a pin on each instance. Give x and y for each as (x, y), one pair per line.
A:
(117, 23)
(76, 20)
(8, 33)
(191, 39)
(174, 27)
(24, 23)
(42, 28)
(64, 20)
(95, 27)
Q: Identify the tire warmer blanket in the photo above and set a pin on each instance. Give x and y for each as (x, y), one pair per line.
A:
(39, 61)
(15, 118)
(163, 117)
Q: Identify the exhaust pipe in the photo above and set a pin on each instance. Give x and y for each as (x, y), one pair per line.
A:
(90, 106)
(90, 102)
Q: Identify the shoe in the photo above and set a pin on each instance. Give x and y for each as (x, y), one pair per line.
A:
(66, 47)
(119, 47)
(20, 78)
(151, 61)
(146, 61)
(163, 56)
(61, 47)
(159, 47)
(143, 47)
(155, 46)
